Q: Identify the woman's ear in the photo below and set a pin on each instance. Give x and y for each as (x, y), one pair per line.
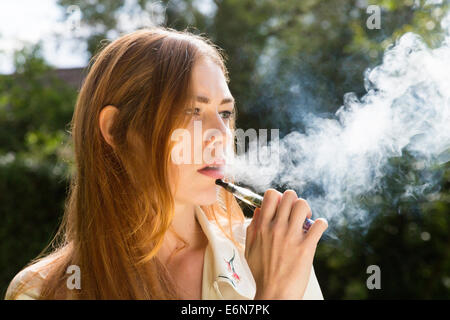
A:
(106, 119)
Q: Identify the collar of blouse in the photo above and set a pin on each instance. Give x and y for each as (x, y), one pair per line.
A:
(226, 274)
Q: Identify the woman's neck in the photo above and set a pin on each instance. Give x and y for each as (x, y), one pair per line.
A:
(185, 224)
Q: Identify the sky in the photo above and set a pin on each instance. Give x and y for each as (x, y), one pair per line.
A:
(29, 21)
(24, 21)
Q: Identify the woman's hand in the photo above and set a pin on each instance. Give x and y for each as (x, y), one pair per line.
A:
(278, 252)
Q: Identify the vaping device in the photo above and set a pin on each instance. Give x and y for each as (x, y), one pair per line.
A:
(251, 198)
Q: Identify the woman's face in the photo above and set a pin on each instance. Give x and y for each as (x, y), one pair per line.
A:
(207, 139)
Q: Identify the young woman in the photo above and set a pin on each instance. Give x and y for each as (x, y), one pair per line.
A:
(139, 225)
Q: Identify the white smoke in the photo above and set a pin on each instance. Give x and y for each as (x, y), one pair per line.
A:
(406, 107)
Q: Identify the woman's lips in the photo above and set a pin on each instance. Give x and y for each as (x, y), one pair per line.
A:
(213, 172)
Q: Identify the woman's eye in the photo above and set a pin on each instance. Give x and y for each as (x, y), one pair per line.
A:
(226, 114)
(196, 112)
(193, 111)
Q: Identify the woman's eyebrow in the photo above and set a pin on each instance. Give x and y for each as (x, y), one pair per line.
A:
(203, 99)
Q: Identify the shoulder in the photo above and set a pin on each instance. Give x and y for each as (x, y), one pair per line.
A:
(27, 283)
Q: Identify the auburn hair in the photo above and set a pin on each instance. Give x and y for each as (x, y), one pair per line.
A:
(119, 205)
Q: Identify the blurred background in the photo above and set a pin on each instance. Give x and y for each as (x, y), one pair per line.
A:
(45, 46)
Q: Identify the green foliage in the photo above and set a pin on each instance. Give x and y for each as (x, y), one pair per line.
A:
(98, 14)
(35, 107)
(32, 197)
(326, 43)
(407, 238)
(32, 100)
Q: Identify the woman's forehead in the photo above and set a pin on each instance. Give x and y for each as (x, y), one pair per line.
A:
(208, 80)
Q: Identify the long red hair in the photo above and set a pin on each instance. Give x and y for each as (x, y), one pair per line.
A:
(119, 204)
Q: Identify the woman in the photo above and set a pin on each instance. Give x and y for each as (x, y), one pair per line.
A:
(139, 225)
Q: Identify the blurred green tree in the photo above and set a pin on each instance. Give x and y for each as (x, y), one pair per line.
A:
(34, 104)
(324, 47)
(35, 154)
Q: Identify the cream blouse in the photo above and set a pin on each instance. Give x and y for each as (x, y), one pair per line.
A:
(226, 274)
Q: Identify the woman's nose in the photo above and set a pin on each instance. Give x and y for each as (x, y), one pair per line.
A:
(216, 140)
(217, 132)
(216, 149)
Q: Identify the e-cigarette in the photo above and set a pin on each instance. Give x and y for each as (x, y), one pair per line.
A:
(251, 198)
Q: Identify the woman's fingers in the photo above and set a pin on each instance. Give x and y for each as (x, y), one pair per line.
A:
(309, 214)
(300, 211)
(268, 208)
(315, 231)
(278, 253)
(285, 207)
